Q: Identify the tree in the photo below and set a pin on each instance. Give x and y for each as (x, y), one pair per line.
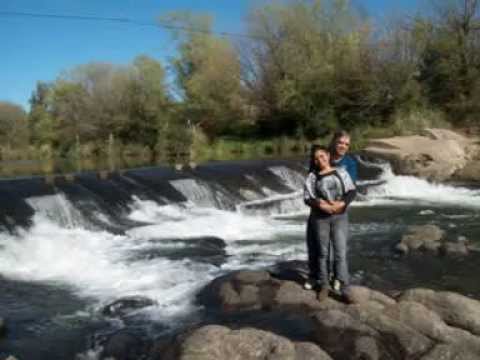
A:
(13, 124)
(40, 121)
(308, 70)
(146, 103)
(208, 76)
(451, 61)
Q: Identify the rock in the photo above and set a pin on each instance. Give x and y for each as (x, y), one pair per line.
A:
(430, 238)
(259, 290)
(437, 154)
(433, 247)
(446, 352)
(3, 328)
(469, 173)
(458, 248)
(214, 342)
(123, 346)
(391, 333)
(126, 305)
(417, 324)
(401, 248)
(252, 277)
(366, 348)
(361, 294)
(421, 237)
(334, 324)
(455, 309)
(426, 322)
(309, 351)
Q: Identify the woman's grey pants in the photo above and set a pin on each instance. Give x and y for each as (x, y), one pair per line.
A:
(332, 229)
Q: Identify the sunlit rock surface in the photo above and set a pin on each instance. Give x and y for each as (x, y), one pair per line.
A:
(437, 155)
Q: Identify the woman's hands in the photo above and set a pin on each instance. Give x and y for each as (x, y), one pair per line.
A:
(331, 207)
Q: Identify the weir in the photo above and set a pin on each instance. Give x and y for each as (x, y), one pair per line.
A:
(161, 235)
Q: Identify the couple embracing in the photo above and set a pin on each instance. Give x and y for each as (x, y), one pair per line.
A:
(328, 191)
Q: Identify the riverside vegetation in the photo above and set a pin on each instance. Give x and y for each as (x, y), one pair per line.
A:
(305, 68)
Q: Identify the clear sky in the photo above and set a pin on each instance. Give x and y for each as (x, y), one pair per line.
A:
(36, 49)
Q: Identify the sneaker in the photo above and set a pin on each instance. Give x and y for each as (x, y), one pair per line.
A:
(323, 293)
(337, 285)
(309, 284)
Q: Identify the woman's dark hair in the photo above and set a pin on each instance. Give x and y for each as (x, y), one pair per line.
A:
(313, 149)
(336, 136)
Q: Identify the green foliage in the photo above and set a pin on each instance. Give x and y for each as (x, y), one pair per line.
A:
(308, 68)
(92, 102)
(13, 125)
(208, 76)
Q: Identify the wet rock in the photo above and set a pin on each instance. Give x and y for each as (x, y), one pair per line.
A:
(3, 328)
(126, 305)
(401, 248)
(433, 247)
(216, 342)
(124, 346)
(451, 248)
(419, 235)
(431, 239)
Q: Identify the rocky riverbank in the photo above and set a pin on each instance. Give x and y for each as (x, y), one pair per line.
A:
(259, 306)
(436, 154)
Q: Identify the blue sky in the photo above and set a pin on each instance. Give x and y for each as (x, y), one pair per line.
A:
(36, 49)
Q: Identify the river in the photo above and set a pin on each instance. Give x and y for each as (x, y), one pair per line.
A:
(70, 248)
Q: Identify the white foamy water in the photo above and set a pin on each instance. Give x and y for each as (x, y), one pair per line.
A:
(103, 266)
(95, 264)
(60, 247)
(408, 190)
(186, 222)
(291, 178)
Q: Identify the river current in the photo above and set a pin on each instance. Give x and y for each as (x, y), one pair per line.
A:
(69, 248)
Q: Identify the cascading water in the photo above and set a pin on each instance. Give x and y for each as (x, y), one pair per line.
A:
(196, 226)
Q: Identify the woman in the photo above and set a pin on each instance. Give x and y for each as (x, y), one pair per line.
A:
(328, 191)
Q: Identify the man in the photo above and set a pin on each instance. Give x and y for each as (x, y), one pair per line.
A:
(338, 149)
(339, 146)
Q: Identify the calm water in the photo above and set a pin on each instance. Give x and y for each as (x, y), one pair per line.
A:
(69, 248)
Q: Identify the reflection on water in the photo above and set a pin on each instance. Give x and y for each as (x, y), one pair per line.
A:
(19, 168)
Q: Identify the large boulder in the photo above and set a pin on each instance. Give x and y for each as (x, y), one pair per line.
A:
(416, 324)
(455, 309)
(214, 342)
(257, 290)
(447, 352)
(437, 154)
